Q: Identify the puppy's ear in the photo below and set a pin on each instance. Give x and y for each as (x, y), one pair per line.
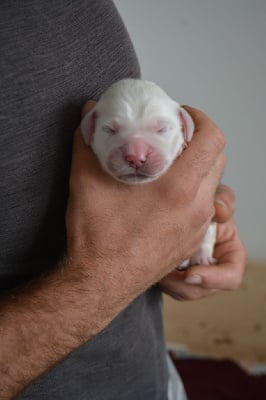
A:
(87, 126)
(187, 124)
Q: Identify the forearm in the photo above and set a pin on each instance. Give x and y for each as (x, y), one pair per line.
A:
(43, 323)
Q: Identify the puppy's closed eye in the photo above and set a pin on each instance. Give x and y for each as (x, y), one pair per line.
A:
(111, 130)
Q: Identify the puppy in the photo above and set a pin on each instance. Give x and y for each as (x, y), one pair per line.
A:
(137, 131)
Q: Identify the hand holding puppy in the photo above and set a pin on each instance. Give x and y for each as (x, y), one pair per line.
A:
(136, 235)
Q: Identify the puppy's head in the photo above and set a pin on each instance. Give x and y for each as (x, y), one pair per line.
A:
(136, 131)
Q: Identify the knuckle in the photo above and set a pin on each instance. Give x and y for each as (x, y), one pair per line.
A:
(185, 195)
(220, 139)
(237, 279)
(236, 283)
(201, 156)
(196, 113)
(241, 270)
(226, 194)
(204, 214)
(180, 197)
(222, 161)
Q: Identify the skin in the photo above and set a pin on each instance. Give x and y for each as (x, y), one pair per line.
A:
(203, 281)
(115, 251)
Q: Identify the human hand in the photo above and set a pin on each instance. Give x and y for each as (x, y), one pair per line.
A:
(202, 281)
(136, 234)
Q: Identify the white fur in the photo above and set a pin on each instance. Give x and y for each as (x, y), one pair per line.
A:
(134, 104)
(125, 113)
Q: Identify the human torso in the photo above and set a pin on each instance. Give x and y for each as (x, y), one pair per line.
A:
(55, 56)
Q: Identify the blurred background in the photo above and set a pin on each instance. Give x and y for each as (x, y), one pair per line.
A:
(211, 54)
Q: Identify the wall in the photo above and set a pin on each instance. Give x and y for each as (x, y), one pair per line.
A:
(212, 54)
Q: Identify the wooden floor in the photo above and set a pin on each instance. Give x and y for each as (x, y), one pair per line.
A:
(229, 324)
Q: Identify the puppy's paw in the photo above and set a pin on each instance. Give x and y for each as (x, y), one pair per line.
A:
(203, 257)
(184, 265)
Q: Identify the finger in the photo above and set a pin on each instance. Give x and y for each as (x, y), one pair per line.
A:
(202, 152)
(229, 247)
(232, 259)
(224, 203)
(215, 173)
(206, 192)
(83, 158)
(174, 285)
(79, 145)
(225, 276)
(204, 123)
(81, 153)
(88, 106)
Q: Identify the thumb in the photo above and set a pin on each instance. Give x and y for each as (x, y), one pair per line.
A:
(224, 203)
(83, 157)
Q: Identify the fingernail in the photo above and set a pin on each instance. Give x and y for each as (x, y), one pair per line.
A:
(193, 279)
(221, 202)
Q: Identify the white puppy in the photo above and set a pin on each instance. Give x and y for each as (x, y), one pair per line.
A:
(136, 130)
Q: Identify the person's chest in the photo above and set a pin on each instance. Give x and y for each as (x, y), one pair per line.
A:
(47, 73)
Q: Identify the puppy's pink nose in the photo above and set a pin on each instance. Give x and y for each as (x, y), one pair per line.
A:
(135, 161)
(136, 152)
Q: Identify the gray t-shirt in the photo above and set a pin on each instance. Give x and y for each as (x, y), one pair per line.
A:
(55, 54)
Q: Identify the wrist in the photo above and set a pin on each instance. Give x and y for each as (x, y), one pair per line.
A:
(95, 282)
